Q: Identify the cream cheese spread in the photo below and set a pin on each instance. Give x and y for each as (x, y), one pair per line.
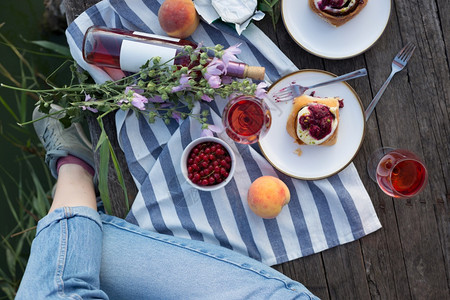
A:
(305, 134)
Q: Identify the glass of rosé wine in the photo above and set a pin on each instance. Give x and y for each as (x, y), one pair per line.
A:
(246, 119)
(398, 172)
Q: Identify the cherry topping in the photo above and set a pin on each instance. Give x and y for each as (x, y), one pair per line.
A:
(209, 163)
(318, 122)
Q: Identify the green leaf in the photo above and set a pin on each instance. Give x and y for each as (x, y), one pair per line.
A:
(11, 261)
(104, 145)
(57, 48)
(8, 289)
(272, 8)
(8, 108)
(103, 176)
(119, 175)
(264, 7)
(102, 139)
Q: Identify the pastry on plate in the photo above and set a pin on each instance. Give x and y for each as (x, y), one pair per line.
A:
(314, 120)
(337, 12)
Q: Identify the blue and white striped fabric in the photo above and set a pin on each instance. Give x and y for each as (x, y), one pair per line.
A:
(321, 214)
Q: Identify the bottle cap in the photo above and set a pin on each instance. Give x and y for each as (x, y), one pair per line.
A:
(255, 72)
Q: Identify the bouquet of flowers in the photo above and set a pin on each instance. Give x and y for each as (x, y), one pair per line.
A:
(159, 90)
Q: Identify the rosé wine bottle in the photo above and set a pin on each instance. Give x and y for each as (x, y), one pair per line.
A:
(128, 51)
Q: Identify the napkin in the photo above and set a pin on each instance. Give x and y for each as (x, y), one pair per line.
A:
(239, 13)
(321, 214)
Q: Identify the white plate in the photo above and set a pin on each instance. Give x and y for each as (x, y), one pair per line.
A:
(314, 162)
(322, 39)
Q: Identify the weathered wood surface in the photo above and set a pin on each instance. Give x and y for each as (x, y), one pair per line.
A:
(117, 196)
(409, 257)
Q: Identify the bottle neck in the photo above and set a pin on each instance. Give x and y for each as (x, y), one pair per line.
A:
(242, 70)
(236, 69)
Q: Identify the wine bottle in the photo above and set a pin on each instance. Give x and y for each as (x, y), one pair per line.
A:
(128, 51)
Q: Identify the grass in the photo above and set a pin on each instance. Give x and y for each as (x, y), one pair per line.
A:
(28, 194)
(32, 204)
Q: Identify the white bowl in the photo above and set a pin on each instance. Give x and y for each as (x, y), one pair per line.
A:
(185, 156)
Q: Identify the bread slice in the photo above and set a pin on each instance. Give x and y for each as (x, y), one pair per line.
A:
(338, 19)
(305, 100)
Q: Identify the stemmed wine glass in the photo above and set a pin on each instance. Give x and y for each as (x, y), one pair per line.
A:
(246, 119)
(398, 172)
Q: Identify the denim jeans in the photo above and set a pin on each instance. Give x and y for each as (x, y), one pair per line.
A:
(80, 254)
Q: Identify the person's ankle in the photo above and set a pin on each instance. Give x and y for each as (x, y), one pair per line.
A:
(75, 172)
(70, 159)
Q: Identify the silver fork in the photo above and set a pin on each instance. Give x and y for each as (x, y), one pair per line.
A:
(295, 90)
(398, 64)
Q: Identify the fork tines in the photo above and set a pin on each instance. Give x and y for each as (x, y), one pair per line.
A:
(283, 94)
(407, 51)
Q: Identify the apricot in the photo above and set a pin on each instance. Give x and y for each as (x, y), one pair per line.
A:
(178, 18)
(267, 195)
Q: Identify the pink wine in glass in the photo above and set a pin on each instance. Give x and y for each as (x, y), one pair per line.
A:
(401, 174)
(246, 119)
(128, 51)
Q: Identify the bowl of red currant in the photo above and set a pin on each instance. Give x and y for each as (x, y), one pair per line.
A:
(208, 163)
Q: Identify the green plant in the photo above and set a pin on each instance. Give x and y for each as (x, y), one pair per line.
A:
(159, 90)
(27, 209)
(271, 7)
(26, 190)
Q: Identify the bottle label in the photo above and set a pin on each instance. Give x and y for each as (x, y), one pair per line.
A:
(134, 54)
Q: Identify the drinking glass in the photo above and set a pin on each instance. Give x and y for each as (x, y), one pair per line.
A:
(246, 119)
(398, 172)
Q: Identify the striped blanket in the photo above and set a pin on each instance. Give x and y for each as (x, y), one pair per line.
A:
(321, 214)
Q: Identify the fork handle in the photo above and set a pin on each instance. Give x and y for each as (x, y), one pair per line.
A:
(348, 76)
(375, 100)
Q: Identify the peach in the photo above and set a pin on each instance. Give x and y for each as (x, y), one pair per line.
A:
(267, 195)
(178, 18)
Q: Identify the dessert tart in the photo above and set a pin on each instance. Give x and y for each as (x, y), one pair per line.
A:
(314, 121)
(337, 12)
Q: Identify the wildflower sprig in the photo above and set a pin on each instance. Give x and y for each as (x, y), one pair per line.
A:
(160, 89)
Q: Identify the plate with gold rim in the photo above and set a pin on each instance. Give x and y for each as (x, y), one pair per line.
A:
(313, 162)
(318, 37)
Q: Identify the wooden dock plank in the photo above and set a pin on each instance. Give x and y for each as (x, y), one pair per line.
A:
(409, 257)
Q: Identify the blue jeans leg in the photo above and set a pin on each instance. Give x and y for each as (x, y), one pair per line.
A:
(68, 261)
(65, 257)
(138, 264)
